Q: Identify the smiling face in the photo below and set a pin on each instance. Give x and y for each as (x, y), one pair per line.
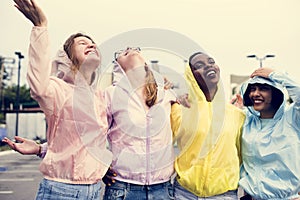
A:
(78, 46)
(84, 48)
(261, 97)
(205, 70)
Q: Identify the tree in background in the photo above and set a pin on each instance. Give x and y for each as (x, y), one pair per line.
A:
(8, 99)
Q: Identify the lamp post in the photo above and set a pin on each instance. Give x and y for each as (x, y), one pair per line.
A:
(261, 59)
(20, 56)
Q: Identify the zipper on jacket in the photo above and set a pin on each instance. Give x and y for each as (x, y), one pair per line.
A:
(207, 173)
(207, 162)
(147, 151)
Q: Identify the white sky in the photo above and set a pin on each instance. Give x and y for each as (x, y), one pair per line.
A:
(229, 30)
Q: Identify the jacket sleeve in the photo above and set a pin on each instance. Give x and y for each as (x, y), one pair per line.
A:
(44, 148)
(239, 141)
(38, 75)
(107, 98)
(42, 88)
(293, 90)
(176, 119)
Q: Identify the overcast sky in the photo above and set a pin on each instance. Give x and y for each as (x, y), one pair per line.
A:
(229, 30)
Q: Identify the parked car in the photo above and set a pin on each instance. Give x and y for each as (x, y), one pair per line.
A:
(3, 133)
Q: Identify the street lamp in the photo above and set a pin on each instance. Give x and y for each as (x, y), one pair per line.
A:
(260, 59)
(20, 56)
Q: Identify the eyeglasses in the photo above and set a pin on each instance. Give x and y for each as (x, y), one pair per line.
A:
(121, 52)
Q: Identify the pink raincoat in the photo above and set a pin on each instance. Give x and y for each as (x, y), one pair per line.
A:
(75, 115)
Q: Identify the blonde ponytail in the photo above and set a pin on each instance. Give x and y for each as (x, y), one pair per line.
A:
(150, 89)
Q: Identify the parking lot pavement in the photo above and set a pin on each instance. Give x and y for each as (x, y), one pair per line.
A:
(19, 176)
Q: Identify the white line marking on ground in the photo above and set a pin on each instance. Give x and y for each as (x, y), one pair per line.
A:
(16, 179)
(3, 153)
(20, 171)
(6, 192)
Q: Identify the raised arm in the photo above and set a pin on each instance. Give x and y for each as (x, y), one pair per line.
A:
(292, 87)
(39, 69)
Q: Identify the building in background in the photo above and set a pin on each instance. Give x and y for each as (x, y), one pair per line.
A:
(32, 124)
(236, 82)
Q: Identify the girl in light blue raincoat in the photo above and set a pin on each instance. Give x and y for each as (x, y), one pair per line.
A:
(271, 137)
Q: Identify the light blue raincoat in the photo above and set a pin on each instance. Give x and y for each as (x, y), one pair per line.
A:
(271, 155)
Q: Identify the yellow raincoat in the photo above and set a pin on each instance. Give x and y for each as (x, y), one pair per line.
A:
(208, 137)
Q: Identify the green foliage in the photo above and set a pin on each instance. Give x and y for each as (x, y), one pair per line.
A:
(10, 97)
(2, 117)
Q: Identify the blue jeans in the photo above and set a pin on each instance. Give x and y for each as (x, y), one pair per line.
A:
(53, 190)
(183, 194)
(127, 191)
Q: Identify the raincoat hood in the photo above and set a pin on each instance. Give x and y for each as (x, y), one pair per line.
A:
(118, 73)
(197, 93)
(62, 68)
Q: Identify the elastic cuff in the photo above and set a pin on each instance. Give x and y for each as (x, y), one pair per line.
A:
(40, 150)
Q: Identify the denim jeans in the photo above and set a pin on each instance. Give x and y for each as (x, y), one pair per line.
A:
(127, 191)
(53, 190)
(183, 194)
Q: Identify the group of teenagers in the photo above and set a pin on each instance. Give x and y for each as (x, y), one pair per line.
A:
(253, 145)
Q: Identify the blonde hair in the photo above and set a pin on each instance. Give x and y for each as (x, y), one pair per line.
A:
(150, 89)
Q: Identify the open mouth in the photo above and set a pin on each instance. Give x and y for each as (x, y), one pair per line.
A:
(90, 52)
(257, 101)
(211, 73)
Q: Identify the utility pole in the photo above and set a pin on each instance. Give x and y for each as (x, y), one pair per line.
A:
(20, 56)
